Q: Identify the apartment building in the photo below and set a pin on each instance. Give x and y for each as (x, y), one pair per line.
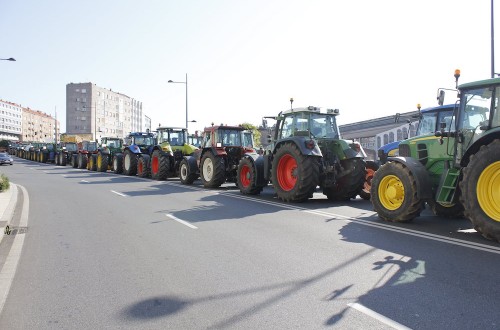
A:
(10, 121)
(37, 126)
(100, 111)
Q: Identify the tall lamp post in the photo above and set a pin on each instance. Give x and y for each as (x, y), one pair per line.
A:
(8, 59)
(186, 83)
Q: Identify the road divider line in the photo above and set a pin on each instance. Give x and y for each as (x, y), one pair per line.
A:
(85, 181)
(119, 193)
(377, 316)
(181, 221)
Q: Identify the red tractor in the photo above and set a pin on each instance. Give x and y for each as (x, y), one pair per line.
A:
(217, 159)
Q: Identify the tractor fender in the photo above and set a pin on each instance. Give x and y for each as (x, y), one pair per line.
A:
(422, 178)
(193, 166)
(134, 149)
(258, 162)
(301, 144)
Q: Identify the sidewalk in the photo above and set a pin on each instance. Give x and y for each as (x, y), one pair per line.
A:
(8, 201)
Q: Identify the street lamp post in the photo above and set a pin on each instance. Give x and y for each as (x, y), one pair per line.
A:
(8, 59)
(186, 83)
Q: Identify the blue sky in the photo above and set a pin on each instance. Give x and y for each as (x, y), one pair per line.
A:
(244, 59)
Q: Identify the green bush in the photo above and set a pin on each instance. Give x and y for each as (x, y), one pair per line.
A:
(4, 182)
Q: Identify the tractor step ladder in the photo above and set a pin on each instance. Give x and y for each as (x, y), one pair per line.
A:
(448, 185)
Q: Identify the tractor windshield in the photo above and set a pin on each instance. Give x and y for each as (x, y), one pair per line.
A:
(324, 126)
(229, 137)
(144, 140)
(71, 147)
(430, 122)
(92, 146)
(177, 138)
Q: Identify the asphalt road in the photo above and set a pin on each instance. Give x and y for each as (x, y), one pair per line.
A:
(106, 251)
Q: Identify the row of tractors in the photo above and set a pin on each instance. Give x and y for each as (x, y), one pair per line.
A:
(453, 165)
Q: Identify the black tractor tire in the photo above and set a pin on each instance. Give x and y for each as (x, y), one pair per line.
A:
(102, 162)
(479, 190)
(453, 211)
(185, 173)
(129, 163)
(394, 193)
(56, 160)
(212, 172)
(160, 165)
(82, 161)
(351, 184)
(371, 168)
(44, 157)
(143, 166)
(294, 176)
(62, 159)
(246, 177)
(118, 164)
(74, 160)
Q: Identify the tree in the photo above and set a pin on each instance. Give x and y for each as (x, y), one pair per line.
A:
(255, 131)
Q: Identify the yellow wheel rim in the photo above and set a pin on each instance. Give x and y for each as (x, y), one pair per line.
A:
(488, 191)
(391, 192)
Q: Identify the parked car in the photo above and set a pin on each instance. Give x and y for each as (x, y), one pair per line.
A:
(5, 158)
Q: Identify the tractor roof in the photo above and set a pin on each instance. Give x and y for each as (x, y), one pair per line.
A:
(216, 127)
(167, 128)
(480, 83)
(312, 109)
(140, 134)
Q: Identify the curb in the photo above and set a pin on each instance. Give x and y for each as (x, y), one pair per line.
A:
(8, 201)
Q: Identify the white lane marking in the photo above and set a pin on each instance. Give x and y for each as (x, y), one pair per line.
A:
(377, 316)
(84, 181)
(411, 232)
(119, 193)
(10, 266)
(181, 221)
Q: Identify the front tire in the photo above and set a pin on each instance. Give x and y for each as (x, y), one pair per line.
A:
(294, 176)
(159, 165)
(129, 163)
(82, 161)
(479, 188)
(247, 177)
(118, 163)
(185, 173)
(394, 193)
(371, 168)
(102, 162)
(143, 169)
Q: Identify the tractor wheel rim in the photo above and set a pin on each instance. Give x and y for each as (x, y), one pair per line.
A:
(126, 162)
(391, 192)
(155, 164)
(245, 175)
(140, 167)
(183, 172)
(99, 161)
(368, 180)
(287, 166)
(208, 169)
(488, 192)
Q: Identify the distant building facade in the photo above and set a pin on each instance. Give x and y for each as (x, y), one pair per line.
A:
(100, 111)
(147, 123)
(10, 121)
(37, 126)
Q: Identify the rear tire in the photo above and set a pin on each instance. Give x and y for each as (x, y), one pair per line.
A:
(212, 170)
(82, 161)
(74, 160)
(454, 211)
(92, 166)
(351, 184)
(294, 176)
(394, 193)
(479, 190)
(247, 177)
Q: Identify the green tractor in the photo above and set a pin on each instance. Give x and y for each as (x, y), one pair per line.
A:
(306, 152)
(104, 157)
(456, 170)
(167, 155)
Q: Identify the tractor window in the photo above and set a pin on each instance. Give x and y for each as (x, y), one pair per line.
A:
(427, 124)
(324, 126)
(177, 138)
(475, 111)
(248, 139)
(286, 127)
(446, 117)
